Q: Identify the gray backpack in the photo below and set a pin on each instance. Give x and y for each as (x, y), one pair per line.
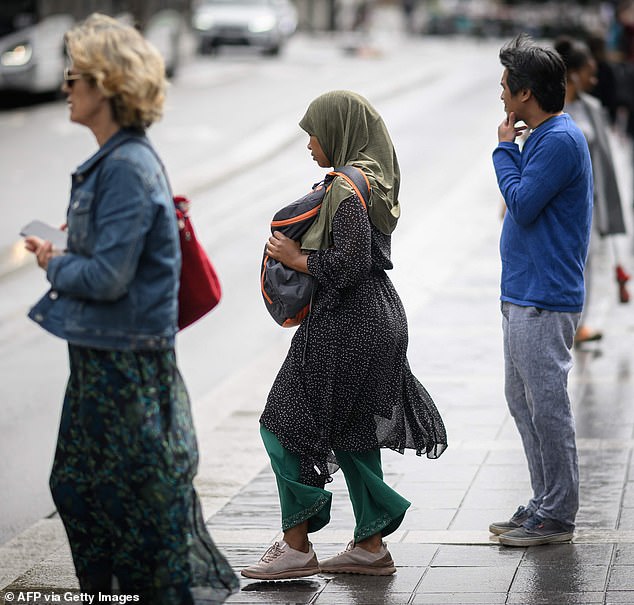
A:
(288, 293)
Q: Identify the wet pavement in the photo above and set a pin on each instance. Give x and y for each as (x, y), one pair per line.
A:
(443, 551)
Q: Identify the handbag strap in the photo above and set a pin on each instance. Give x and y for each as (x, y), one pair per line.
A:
(181, 203)
(147, 144)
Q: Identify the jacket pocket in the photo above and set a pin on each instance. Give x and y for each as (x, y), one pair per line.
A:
(79, 218)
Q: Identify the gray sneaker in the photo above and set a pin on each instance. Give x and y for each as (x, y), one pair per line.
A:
(281, 562)
(536, 531)
(360, 561)
(519, 516)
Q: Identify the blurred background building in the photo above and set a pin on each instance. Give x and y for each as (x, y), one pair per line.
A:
(31, 31)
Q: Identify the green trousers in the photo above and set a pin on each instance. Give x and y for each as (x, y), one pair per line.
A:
(377, 507)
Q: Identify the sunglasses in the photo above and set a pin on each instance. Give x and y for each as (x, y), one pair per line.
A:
(69, 77)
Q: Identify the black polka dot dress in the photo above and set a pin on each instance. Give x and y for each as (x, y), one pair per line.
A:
(346, 383)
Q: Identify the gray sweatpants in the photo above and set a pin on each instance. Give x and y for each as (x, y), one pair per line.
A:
(537, 360)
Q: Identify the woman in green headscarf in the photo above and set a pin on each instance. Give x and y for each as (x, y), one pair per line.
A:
(345, 389)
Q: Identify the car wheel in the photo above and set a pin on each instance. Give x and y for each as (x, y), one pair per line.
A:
(272, 51)
(207, 47)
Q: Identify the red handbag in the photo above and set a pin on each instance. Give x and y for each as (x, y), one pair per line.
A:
(200, 289)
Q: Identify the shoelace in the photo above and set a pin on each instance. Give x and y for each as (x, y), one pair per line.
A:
(272, 553)
(349, 546)
(533, 522)
(521, 510)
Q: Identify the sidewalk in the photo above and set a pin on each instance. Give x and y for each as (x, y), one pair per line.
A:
(443, 550)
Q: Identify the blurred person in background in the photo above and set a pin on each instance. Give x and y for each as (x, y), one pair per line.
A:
(409, 7)
(606, 82)
(126, 451)
(590, 116)
(624, 46)
(624, 25)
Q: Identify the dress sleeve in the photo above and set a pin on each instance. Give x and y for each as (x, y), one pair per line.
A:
(348, 261)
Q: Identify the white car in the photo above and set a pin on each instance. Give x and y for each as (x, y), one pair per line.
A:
(32, 57)
(263, 24)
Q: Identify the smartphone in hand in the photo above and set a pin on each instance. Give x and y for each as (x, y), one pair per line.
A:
(46, 232)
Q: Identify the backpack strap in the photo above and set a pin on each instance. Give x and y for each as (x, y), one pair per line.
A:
(356, 178)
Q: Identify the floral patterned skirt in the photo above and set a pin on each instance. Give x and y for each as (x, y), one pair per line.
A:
(122, 481)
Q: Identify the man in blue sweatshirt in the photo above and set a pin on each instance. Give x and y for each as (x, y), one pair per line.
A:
(547, 188)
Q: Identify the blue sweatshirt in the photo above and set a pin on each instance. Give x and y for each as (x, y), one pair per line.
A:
(547, 188)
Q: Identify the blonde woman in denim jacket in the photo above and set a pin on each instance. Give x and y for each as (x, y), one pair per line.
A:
(126, 452)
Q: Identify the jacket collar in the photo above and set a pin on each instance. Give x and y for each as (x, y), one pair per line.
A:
(120, 137)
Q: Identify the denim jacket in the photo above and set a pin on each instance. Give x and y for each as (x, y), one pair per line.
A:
(116, 286)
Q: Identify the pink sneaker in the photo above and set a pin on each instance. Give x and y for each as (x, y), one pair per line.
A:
(360, 561)
(281, 562)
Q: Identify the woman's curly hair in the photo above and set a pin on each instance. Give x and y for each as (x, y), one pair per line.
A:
(123, 65)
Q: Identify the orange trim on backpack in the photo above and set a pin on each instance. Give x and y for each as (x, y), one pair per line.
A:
(294, 321)
(268, 298)
(297, 219)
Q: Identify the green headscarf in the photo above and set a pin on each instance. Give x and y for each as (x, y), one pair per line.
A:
(351, 132)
